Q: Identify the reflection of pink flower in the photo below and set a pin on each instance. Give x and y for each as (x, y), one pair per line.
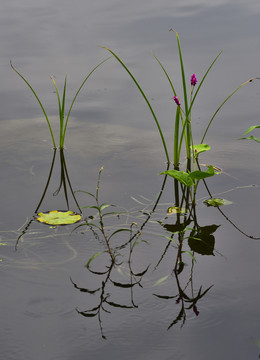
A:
(193, 80)
(177, 100)
(195, 310)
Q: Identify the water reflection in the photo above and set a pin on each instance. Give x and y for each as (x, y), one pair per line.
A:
(187, 241)
(184, 235)
(66, 193)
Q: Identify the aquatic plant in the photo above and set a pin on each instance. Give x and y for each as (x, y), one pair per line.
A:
(251, 128)
(182, 132)
(61, 103)
(99, 225)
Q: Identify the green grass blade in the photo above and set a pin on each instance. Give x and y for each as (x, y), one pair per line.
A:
(34, 93)
(75, 97)
(146, 100)
(187, 114)
(203, 79)
(215, 113)
(63, 111)
(182, 74)
(59, 103)
(165, 72)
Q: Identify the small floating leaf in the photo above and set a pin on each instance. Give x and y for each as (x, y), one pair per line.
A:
(175, 210)
(56, 217)
(217, 202)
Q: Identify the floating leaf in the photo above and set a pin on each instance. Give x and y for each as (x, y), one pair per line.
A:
(56, 217)
(217, 202)
(175, 210)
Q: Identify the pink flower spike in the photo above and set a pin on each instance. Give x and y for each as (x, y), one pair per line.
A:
(193, 80)
(177, 100)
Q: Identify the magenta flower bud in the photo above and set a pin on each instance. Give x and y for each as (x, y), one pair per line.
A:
(193, 80)
(196, 150)
(177, 100)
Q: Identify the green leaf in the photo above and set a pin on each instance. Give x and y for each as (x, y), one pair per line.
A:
(103, 206)
(200, 148)
(252, 128)
(175, 210)
(181, 176)
(251, 138)
(199, 175)
(56, 217)
(217, 202)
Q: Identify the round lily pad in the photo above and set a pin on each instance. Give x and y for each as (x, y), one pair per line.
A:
(56, 217)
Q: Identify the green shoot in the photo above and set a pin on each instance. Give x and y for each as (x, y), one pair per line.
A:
(61, 103)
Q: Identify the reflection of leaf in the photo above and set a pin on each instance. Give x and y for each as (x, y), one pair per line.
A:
(160, 281)
(86, 314)
(93, 257)
(141, 273)
(202, 244)
(124, 285)
(176, 228)
(165, 296)
(178, 318)
(56, 217)
(217, 202)
(119, 305)
(84, 289)
(202, 241)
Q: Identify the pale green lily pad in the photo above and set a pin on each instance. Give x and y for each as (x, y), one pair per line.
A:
(217, 202)
(175, 210)
(56, 217)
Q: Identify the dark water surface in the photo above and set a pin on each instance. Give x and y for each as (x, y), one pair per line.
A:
(44, 281)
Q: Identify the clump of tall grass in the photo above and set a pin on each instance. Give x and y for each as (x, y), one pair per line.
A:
(61, 103)
(182, 132)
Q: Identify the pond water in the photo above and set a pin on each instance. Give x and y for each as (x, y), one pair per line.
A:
(144, 310)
